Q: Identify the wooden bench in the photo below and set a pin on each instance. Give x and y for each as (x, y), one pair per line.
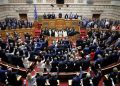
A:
(20, 31)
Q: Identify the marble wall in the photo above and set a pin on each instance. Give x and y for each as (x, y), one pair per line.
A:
(102, 2)
(13, 10)
(66, 1)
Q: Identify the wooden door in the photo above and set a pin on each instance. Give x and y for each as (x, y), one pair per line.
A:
(23, 16)
(96, 16)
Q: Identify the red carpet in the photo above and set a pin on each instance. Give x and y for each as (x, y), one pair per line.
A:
(63, 83)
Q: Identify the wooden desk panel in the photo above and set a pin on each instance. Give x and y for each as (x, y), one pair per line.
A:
(60, 23)
(20, 31)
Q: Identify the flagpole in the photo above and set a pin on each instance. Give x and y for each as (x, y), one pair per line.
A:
(35, 11)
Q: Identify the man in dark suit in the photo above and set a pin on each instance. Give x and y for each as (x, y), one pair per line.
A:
(53, 16)
(96, 79)
(62, 66)
(114, 76)
(54, 65)
(66, 16)
(70, 66)
(86, 64)
(53, 80)
(12, 79)
(77, 64)
(76, 16)
(40, 79)
(3, 27)
(44, 16)
(86, 81)
(60, 15)
(3, 76)
(79, 42)
(77, 78)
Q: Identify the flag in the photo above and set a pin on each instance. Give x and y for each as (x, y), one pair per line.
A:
(35, 12)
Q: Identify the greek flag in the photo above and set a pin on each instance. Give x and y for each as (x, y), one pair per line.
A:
(35, 12)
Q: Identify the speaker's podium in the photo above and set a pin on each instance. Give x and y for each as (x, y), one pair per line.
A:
(60, 23)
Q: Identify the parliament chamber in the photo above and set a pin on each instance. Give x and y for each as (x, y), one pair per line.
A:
(59, 43)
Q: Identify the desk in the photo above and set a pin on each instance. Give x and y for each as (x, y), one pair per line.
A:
(20, 31)
(60, 23)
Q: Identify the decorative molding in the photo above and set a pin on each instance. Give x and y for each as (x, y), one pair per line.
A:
(97, 11)
(22, 11)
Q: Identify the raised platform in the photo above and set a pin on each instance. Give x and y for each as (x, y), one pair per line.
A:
(61, 23)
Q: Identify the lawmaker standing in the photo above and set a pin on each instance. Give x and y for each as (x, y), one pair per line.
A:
(56, 34)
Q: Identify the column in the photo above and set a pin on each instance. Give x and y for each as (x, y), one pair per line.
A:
(43, 1)
(3, 1)
(115, 2)
(89, 1)
(75, 1)
(85, 1)
(35, 1)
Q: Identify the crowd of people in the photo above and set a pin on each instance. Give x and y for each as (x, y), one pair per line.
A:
(60, 15)
(13, 23)
(107, 53)
(100, 48)
(60, 33)
(99, 23)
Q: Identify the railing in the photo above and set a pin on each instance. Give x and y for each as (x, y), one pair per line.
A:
(12, 66)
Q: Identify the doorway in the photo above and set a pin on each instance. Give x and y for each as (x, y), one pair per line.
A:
(96, 16)
(23, 16)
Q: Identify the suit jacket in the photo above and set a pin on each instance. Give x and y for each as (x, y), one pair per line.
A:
(53, 81)
(54, 65)
(114, 76)
(41, 81)
(62, 66)
(96, 79)
(86, 64)
(12, 79)
(66, 16)
(2, 75)
(86, 82)
(78, 63)
(70, 65)
(76, 81)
